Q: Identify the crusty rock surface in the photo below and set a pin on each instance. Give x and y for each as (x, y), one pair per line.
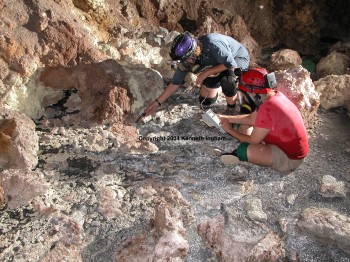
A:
(80, 181)
(334, 91)
(18, 140)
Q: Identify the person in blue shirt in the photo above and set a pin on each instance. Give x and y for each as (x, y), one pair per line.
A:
(213, 58)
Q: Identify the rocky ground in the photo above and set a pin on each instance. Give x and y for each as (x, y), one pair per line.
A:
(96, 194)
(105, 205)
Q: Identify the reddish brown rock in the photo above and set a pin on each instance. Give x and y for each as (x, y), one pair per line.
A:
(137, 249)
(18, 139)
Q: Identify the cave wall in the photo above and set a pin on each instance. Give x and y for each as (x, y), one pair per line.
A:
(36, 35)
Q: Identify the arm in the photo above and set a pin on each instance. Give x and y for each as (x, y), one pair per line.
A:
(210, 71)
(169, 90)
(258, 134)
(256, 137)
(247, 120)
(224, 60)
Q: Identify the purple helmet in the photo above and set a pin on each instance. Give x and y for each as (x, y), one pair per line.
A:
(183, 46)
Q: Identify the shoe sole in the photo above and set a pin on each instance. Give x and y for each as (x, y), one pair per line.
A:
(229, 160)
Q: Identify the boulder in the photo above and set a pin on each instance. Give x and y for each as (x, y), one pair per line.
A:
(326, 226)
(108, 90)
(233, 237)
(334, 91)
(21, 186)
(284, 59)
(331, 187)
(334, 63)
(297, 85)
(18, 139)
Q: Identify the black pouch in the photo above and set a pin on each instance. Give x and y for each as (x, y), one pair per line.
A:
(248, 106)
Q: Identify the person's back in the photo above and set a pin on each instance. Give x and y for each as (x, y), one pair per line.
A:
(213, 61)
(273, 135)
(223, 49)
(286, 125)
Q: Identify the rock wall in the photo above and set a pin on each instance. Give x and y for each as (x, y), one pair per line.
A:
(79, 181)
(37, 35)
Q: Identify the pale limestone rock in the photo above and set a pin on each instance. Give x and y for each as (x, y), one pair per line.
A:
(2, 198)
(4, 70)
(247, 187)
(146, 191)
(225, 246)
(270, 248)
(177, 204)
(231, 237)
(137, 249)
(334, 91)
(330, 187)
(284, 59)
(26, 95)
(145, 85)
(297, 85)
(166, 219)
(129, 141)
(170, 214)
(283, 222)
(334, 63)
(291, 199)
(254, 209)
(167, 241)
(42, 208)
(70, 228)
(109, 204)
(61, 252)
(171, 245)
(21, 186)
(73, 103)
(327, 226)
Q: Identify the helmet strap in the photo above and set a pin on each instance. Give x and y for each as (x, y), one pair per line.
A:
(257, 99)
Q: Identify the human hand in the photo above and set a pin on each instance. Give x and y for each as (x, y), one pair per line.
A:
(151, 109)
(222, 117)
(201, 77)
(225, 123)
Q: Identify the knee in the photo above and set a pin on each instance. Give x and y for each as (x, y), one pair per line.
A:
(228, 84)
(242, 151)
(205, 101)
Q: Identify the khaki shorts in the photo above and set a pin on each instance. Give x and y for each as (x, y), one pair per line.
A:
(281, 162)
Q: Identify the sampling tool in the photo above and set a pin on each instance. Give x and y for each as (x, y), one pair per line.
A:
(141, 116)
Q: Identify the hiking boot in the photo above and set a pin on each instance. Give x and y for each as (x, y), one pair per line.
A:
(230, 159)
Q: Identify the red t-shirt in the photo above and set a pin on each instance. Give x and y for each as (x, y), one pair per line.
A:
(286, 125)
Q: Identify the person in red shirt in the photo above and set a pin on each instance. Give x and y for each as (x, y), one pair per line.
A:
(274, 135)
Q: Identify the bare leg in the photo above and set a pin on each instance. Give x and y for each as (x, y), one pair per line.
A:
(208, 92)
(247, 130)
(231, 100)
(259, 154)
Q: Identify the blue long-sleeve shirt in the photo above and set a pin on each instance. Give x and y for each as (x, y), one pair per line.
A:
(218, 49)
